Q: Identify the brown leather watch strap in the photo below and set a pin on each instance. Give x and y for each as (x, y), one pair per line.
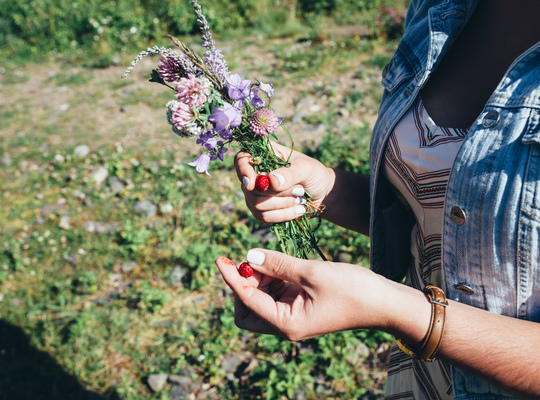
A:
(426, 351)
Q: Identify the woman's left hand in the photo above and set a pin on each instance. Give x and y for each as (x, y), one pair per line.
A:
(299, 299)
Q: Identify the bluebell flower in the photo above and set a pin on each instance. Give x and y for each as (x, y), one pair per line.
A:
(238, 88)
(226, 117)
(201, 163)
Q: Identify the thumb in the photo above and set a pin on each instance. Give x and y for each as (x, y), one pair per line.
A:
(279, 265)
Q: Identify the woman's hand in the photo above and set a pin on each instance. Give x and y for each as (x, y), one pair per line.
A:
(284, 201)
(299, 299)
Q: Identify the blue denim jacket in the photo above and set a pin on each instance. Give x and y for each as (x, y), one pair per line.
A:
(491, 226)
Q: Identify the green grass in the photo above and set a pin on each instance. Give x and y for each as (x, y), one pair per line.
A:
(74, 318)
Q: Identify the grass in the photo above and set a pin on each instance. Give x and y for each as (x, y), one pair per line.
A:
(76, 319)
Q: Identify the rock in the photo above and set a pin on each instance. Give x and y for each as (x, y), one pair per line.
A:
(5, 160)
(129, 266)
(344, 257)
(81, 151)
(228, 208)
(52, 209)
(102, 227)
(115, 184)
(99, 175)
(64, 222)
(177, 274)
(145, 208)
(157, 381)
(359, 354)
(179, 392)
(166, 208)
(230, 363)
(17, 302)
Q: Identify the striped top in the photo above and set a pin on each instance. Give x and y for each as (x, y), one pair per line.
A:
(418, 159)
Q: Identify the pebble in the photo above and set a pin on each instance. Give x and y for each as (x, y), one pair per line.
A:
(99, 175)
(115, 184)
(129, 266)
(145, 208)
(157, 381)
(5, 160)
(177, 274)
(81, 151)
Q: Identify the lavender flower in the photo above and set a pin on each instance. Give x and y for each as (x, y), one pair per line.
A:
(151, 51)
(213, 55)
(201, 163)
(218, 152)
(256, 100)
(263, 122)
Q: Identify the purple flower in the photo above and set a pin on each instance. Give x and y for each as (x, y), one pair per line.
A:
(256, 100)
(226, 134)
(170, 68)
(267, 89)
(226, 117)
(238, 88)
(201, 163)
(218, 152)
(207, 140)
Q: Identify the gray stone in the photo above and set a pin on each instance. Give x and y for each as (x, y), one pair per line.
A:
(359, 354)
(145, 208)
(5, 160)
(99, 175)
(115, 184)
(102, 227)
(177, 274)
(81, 151)
(157, 381)
(230, 363)
(53, 209)
(179, 392)
(129, 266)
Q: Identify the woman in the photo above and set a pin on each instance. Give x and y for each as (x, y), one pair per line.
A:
(453, 202)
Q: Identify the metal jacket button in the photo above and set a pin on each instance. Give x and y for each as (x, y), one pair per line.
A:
(458, 215)
(491, 119)
(464, 288)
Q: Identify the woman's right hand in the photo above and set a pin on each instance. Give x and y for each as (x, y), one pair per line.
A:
(283, 201)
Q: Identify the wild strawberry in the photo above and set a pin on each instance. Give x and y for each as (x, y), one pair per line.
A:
(245, 270)
(262, 182)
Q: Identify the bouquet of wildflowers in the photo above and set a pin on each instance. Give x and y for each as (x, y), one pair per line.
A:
(220, 109)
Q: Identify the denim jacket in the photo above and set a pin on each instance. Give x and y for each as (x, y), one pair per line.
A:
(491, 226)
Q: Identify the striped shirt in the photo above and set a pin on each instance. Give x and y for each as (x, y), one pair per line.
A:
(418, 159)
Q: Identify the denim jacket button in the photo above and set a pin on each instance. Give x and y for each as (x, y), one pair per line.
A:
(464, 288)
(491, 119)
(458, 215)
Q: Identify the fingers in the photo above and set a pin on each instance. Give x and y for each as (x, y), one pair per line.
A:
(281, 266)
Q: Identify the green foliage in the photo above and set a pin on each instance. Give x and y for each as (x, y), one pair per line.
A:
(145, 296)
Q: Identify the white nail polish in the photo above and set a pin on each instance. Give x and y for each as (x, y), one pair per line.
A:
(280, 178)
(246, 181)
(255, 257)
(298, 191)
(300, 210)
(300, 200)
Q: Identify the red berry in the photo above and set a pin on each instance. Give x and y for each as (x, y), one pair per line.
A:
(262, 182)
(245, 270)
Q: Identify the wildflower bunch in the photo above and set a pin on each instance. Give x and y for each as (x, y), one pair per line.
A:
(221, 109)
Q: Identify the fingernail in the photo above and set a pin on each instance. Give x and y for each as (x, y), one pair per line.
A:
(300, 210)
(280, 178)
(300, 200)
(298, 191)
(245, 181)
(255, 257)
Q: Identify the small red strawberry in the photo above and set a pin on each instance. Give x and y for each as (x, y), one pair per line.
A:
(262, 182)
(245, 270)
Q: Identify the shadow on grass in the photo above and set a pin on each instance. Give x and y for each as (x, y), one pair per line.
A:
(27, 373)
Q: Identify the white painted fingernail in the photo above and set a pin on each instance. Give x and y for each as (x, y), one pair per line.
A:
(298, 191)
(300, 210)
(280, 178)
(300, 200)
(245, 181)
(255, 257)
